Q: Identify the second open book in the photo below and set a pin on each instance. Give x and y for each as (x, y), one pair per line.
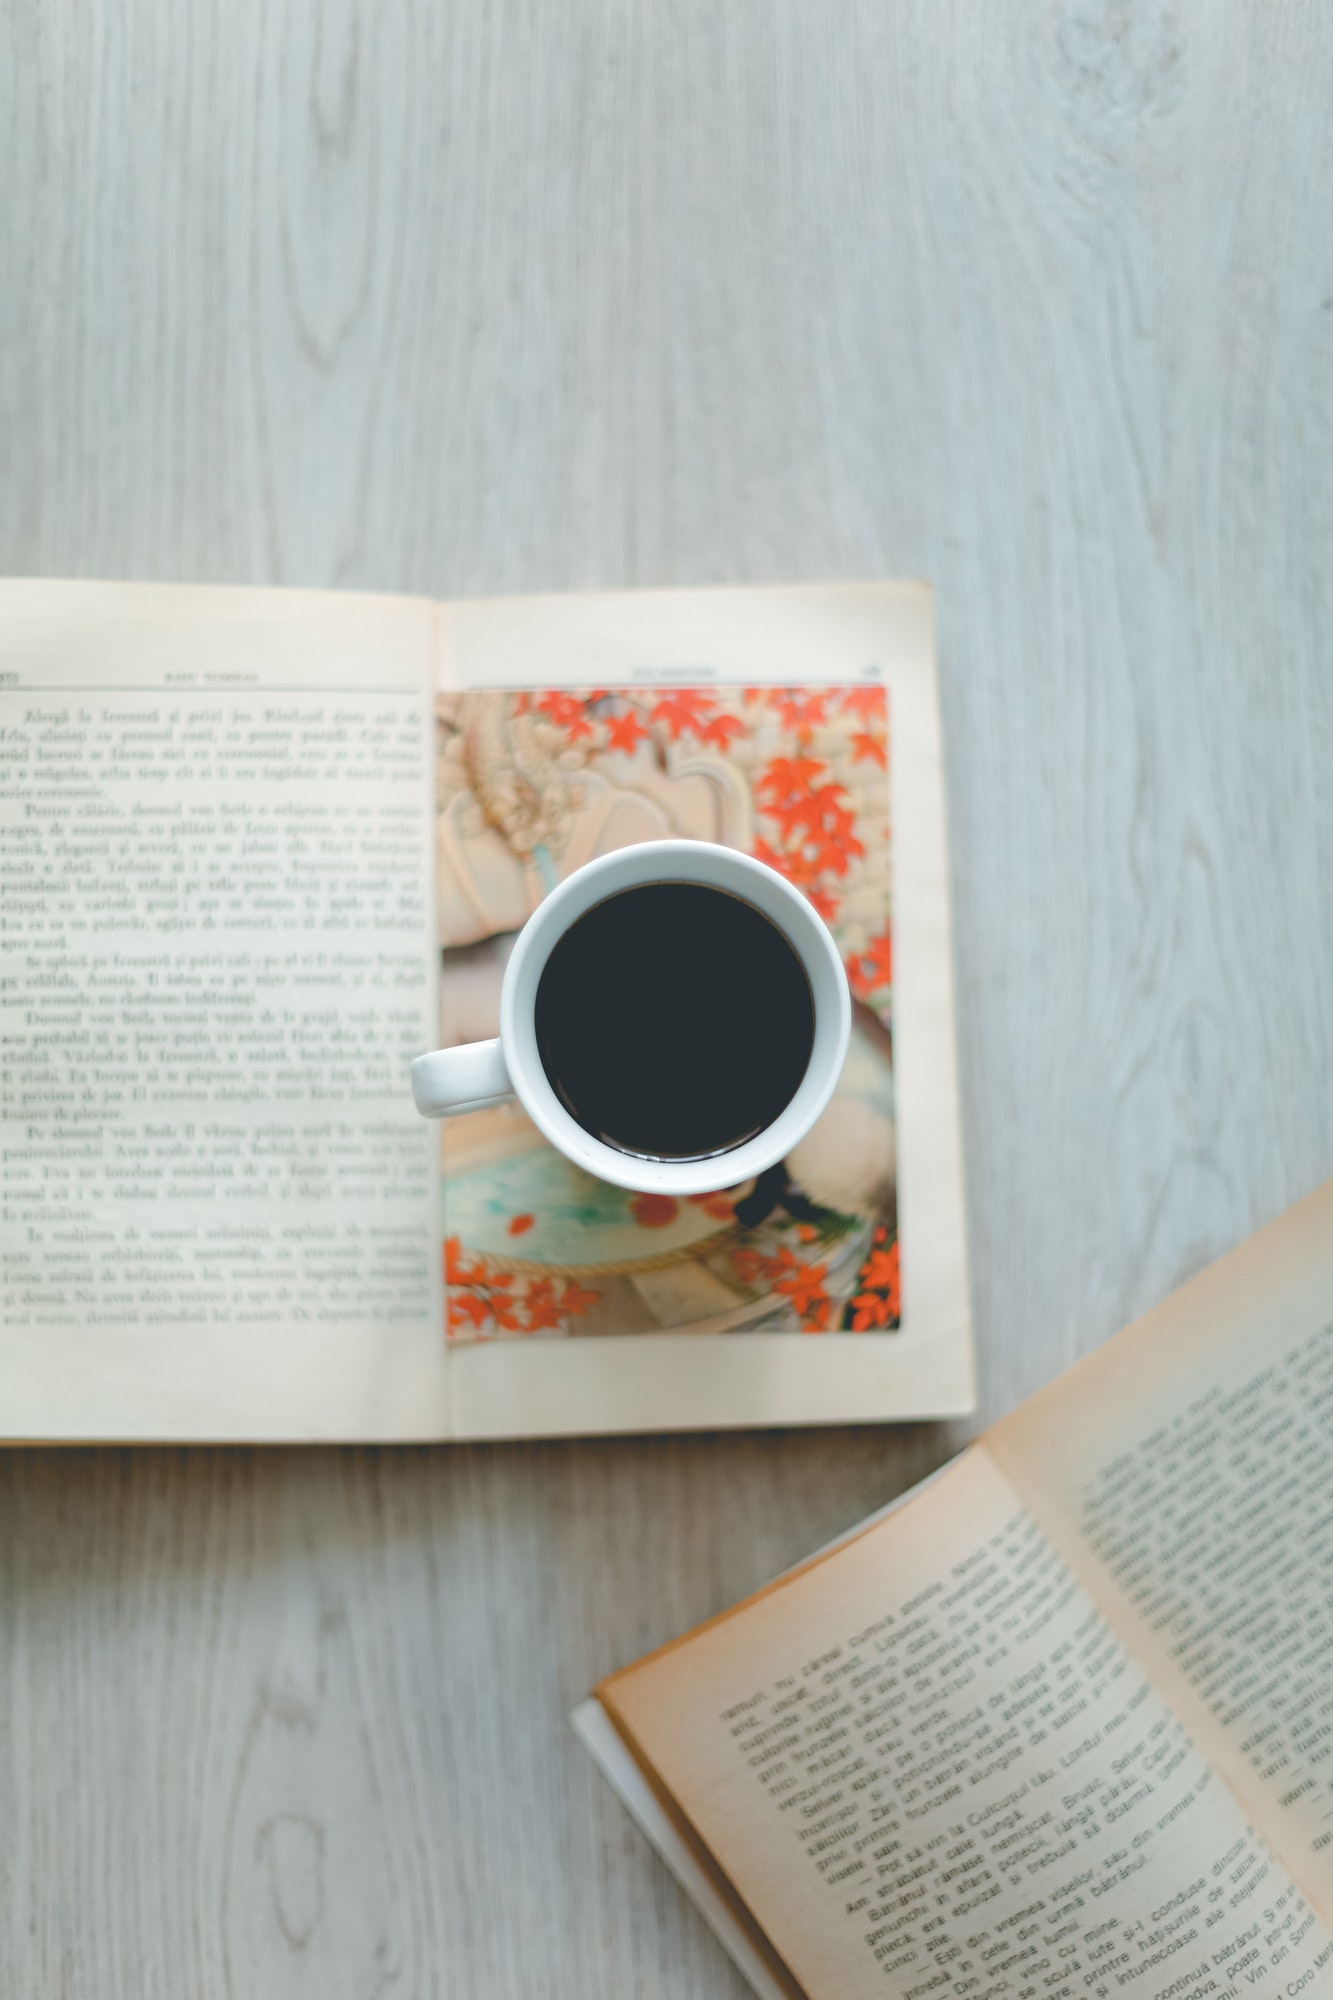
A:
(1061, 1723)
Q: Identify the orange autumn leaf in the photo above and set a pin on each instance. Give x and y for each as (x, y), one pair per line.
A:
(871, 971)
(866, 703)
(787, 778)
(683, 709)
(625, 732)
(719, 1206)
(654, 1211)
(869, 749)
(881, 1268)
(833, 852)
(879, 959)
(771, 857)
(720, 730)
(869, 1309)
(798, 710)
(455, 1270)
(566, 711)
(483, 1300)
(541, 1306)
(878, 1300)
(468, 1306)
(804, 1286)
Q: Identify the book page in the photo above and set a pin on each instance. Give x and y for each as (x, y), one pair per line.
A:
(926, 1765)
(738, 1934)
(619, 1370)
(1186, 1472)
(217, 1215)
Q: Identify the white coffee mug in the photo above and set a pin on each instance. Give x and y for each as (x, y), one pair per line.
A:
(477, 1074)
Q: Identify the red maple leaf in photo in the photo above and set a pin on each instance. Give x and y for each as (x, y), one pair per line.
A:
(803, 1284)
(786, 781)
(878, 1301)
(866, 703)
(828, 906)
(456, 1272)
(878, 960)
(541, 1305)
(880, 1270)
(565, 711)
(484, 1300)
(799, 710)
(720, 730)
(468, 1308)
(836, 819)
(832, 850)
(505, 1311)
(625, 732)
(654, 1211)
(871, 750)
(815, 1308)
(815, 824)
(871, 971)
(683, 709)
(770, 857)
(719, 1206)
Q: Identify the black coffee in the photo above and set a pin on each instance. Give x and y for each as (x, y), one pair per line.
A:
(674, 1021)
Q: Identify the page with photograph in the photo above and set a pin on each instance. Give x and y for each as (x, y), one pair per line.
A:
(799, 727)
(533, 783)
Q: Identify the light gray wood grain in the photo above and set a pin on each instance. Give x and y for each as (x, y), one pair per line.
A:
(1032, 299)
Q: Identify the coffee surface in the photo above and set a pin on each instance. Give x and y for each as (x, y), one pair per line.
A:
(674, 1021)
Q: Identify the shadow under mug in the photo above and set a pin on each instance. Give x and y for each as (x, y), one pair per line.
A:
(477, 1074)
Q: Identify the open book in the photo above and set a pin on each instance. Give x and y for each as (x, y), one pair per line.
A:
(1059, 1725)
(258, 849)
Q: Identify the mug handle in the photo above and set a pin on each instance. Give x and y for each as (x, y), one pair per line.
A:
(466, 1078)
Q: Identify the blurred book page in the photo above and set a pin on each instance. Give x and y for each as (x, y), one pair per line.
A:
(218, 1211)
(707, 1889)
(925, 1759)
(1186, 1472)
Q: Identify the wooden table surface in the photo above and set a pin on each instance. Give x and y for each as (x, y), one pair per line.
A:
(1032, 300)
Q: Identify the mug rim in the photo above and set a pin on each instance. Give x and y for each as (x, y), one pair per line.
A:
(714, 866)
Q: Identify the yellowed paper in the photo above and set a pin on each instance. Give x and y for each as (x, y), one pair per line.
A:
(1186, 1473)
(925, 1764)
(218, 1214)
